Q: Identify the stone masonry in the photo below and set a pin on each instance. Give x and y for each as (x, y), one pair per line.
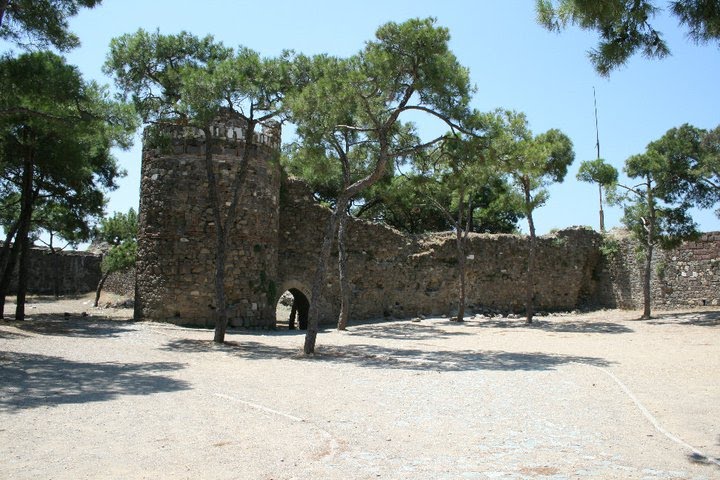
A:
(68, 272)
(176, 238)
(276, 237)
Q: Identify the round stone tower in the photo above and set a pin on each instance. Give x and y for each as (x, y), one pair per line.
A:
(177, 238)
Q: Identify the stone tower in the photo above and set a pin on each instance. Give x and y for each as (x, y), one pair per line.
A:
(176, 238)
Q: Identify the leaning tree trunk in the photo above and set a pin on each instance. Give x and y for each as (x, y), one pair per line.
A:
(99, 288)
(322, 261)
(530, 276)
(342, 267)
(7, 245)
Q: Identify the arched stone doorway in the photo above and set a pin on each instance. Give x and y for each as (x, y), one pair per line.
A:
(299, 308)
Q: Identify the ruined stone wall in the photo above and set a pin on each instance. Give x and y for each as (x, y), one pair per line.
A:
(121, 283)
(72, 272)
(393, 274)
(177, 238)
(688, 275)
(275, 241)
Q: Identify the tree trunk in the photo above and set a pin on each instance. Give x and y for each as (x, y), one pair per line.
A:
(342, 267)
(56, 269)
(647, 271)
(7, 245)
(530, 276)
(220, 312)
(461, 273)
(9, 259)
(318, 280)
(222, 231)
(22, 277)
(101, 283)
(23, 236)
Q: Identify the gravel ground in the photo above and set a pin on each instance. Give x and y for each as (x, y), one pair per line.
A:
(589, 396)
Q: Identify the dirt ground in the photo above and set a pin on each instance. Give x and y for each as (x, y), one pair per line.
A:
(591, 396)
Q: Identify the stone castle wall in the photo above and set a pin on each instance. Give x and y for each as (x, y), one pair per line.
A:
(177, 237)
(393, 274)
(275, 241)
(688, 275)
(71, 272)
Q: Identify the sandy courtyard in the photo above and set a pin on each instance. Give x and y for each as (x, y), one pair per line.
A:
(596, 396)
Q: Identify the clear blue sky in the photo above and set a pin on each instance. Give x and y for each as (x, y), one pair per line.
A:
(514, 63)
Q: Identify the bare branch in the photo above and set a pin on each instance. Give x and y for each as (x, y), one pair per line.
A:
(418, 148)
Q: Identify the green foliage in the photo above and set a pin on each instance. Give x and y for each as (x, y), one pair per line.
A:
(625, 27)
(532, 162)
(149, 69)
(58, 130)
(707, 171)
(61, 219)
(660, 270)
(610, 246)
(120, 231)
(120, 257)
(343, 121)
(597, 171)
(185, 80)
(41, 23)
(119, 228)
(459, 180)
(676, 173)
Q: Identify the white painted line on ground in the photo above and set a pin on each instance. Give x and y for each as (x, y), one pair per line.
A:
(259, 407)
(334, 445)
(654, 421)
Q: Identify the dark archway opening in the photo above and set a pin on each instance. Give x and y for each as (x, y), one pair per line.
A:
(299, 307)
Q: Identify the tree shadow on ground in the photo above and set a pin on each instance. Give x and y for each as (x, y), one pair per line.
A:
(30, 380)
(374, 356)
(701, 319)
(8, 334)
(703, 460)
(54, 324)
(562, 326)
(404, 330)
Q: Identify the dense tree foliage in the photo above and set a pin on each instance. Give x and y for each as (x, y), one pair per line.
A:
(41, 23)
(56, 133)
(597, 171)
(397, 202)
(626, 26)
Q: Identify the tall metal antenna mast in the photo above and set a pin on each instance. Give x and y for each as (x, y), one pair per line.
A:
(597, 144)
(597, 132)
